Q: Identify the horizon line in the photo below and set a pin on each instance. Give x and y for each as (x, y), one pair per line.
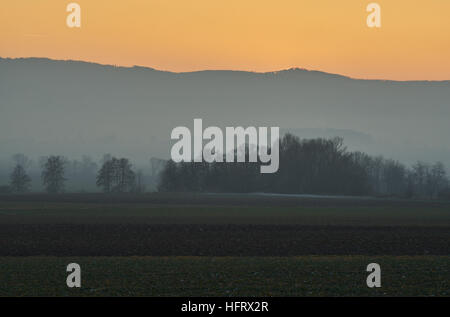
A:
(293, 68)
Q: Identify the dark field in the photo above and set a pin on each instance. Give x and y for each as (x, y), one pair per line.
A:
(219, 240)
(234, 245)
(226, 276)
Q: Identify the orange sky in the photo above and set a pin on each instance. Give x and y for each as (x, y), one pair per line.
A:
(256, 35)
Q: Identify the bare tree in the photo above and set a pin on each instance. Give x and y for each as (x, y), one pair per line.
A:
(420, 170)
(53, 174)
(116, 175)
(436, 180)
(125, 177)
(105, 176)
(169, 177)
(20, 181)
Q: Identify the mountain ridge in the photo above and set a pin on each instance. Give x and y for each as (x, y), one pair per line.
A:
(291, 70)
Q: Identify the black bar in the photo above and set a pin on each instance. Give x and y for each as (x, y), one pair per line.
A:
(223, 306)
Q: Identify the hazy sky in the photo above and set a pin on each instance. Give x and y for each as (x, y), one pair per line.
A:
(255, 35)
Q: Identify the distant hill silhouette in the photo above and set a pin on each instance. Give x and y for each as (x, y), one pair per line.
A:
(76, 108)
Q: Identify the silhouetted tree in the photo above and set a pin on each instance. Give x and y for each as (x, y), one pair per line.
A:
(436, 180)
(124, 176)
(394, 177)
(53, 174)
(20, 181)
(169, 177)
(116, 175)
(105, 176)
(420, 171)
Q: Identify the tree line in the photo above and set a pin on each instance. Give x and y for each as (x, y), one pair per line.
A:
(115, 175)
(307, 166)
(312, 166)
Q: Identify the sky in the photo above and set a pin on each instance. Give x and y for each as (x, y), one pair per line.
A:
(413, 42)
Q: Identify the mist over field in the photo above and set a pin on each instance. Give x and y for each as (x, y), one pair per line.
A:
(75, 108)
